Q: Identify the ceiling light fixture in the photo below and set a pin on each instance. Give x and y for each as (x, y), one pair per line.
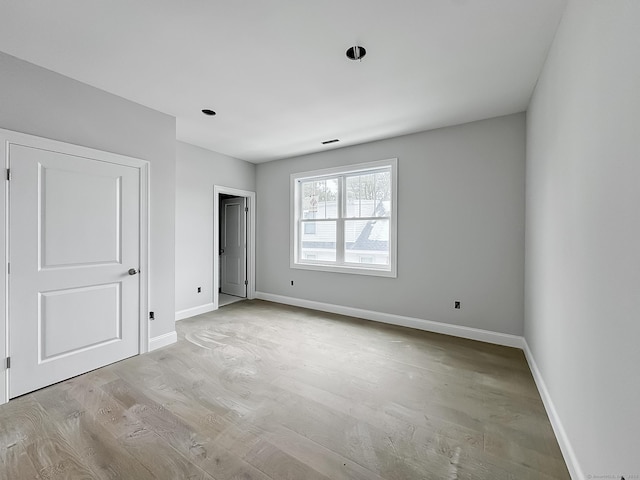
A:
(356, 53)
(326, 142)
(208, 112)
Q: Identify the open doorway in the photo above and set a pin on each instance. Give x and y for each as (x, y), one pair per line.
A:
(233, 249)
(234, 245)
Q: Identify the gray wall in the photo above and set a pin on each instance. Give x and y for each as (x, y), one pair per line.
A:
(583, 232)
(460, 227)
(39, 102)
(197, 171)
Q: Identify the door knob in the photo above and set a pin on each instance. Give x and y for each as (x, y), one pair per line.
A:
(133, 271)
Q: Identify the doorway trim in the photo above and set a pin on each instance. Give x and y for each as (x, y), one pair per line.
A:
(251, 239)
(9, 137)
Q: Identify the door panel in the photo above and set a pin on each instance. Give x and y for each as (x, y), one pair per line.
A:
(74, 233)
(63, 311)
(233, 242)
(61, 212)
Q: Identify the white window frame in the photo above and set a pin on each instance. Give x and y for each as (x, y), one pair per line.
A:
(340, 266)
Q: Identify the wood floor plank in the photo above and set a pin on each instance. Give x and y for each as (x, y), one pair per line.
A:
(185, 404)
(193, 441)
(260, 451)
(322, 459)
(27, 426)
(355, 440)
(87, 441)
(21, 421)
(157, 456)
(384, 415)
(15, 463)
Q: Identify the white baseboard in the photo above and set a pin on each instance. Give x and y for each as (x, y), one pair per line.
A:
(162, 340)
(192, 312)
(411, 322)
(569, 454)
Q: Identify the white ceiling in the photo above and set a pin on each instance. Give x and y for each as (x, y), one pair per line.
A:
(276, 70)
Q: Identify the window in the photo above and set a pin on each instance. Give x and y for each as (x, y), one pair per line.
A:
(344, 219)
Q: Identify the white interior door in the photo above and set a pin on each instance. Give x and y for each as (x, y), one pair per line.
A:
(233, 246)
(74, 234)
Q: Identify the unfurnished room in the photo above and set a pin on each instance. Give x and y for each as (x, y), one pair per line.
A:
(295, 240)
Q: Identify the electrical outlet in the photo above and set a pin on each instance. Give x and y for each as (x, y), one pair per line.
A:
(456, 305)
(199, 289)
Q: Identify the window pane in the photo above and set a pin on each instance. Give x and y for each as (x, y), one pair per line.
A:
(318, 241)
(320, 198)
(309, 227)
(367, 241)
(383, 185)
(369, 194)
(383, 194)
(353, 196)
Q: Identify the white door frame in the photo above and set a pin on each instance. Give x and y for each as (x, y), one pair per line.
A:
(251, 239)
(223, 222)
(8, 137)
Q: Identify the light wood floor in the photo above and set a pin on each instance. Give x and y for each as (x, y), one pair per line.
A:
(262, 391)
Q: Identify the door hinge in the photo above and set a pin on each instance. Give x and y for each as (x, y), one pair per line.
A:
(246, 209)
(246, 282)
(8, 362)
(8, 174)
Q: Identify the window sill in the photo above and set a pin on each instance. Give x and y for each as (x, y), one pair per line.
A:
(374, 272)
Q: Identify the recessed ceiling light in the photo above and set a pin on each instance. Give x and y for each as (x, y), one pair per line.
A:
(330, 141)
(206, 111)
(356, 52)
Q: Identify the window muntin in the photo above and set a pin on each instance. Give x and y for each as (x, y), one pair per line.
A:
(344, 219)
